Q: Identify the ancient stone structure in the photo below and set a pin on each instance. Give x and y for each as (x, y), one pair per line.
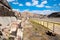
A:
(6, 13)
(9, 24)
(5, 9)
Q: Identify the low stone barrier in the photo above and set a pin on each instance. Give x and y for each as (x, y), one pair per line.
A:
(53, 26)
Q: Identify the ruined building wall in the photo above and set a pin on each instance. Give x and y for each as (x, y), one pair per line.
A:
(5, 9)
(6, 14)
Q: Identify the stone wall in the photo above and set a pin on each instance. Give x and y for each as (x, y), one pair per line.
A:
(5, 21)
(5, 9)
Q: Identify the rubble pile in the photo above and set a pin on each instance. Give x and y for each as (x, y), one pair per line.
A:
(13, 32)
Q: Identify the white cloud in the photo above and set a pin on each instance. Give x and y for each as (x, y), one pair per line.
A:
(35, 2)
(48, 6)
(43, 12)
(15, 3)
(36, 11)
(47, 11)
(40, 12)
(16, 10)
(42, 4)
(20, 4)
(26, 10)
(28, 4)
(10, 0)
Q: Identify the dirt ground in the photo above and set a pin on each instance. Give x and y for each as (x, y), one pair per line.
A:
(37, 32)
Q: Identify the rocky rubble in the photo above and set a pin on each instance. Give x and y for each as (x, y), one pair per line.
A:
(14, 31)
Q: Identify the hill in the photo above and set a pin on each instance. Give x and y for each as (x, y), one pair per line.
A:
(55, 14)
(32, 15)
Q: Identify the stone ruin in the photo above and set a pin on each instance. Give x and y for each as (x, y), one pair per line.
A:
(10, 27)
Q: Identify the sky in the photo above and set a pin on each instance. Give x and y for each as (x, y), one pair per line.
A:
(35, 6)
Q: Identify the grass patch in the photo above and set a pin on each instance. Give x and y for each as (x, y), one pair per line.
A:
(36, 23)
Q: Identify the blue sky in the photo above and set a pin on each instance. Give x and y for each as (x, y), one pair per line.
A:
(35, 6)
